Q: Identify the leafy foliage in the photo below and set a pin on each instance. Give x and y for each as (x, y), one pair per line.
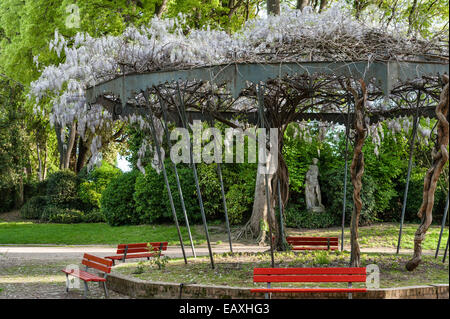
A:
(94, 182)
(34, 207)
(117, 203)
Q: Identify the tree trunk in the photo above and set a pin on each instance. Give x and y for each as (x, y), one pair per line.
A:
(21, 193)
(70, 143)
(159, 10)
(260, 219)
(44, 170)
(357, 170)
(301, 4)
(60, 142)
(323, 4)
(83, 149)
(439, 159)
(40, 173)
(411, 17)
(273, 7)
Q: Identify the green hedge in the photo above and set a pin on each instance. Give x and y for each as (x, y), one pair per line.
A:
(63, 183)
(94, 182)
(117, 203)
(296, 217)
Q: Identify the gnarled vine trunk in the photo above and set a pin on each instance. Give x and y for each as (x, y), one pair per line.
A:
(439, 158)
(262, 217)
(357, 170)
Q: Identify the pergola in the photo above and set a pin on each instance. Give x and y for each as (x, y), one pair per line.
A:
(293, 67)
(356, 94)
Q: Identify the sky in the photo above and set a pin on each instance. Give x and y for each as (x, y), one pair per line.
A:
(123, 164)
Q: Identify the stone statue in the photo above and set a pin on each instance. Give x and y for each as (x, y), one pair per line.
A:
(312, 189)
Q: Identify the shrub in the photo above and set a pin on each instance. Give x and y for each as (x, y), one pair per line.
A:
(239, 183)
(238, 205)
(332, 187)
(93, 183)
(148, 196)
(209, 182)
(61, 201)
(62, 215)
(94, 216)
(34, 188)
(7, 199)
(64, 183)
(34, 207)
(297, 217)
(117, 203)
(152, 199)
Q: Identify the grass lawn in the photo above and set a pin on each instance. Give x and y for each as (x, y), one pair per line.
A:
(383, 235)
(237, 270)
(86, 234)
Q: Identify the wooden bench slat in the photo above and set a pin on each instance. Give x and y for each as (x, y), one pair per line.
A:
(312, 243)
(314, 248)
(118, 257)
(310, 278)
(310, 271)
(99, 260)
(96, 266)
(328, 290)
(141, 247)
(84, 275)
(310, 238)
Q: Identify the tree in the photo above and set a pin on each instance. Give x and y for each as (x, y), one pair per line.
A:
(14, 153)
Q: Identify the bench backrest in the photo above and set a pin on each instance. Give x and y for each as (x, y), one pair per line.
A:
(141, 247)
(98, 263)
(355, 274)
(331, 242)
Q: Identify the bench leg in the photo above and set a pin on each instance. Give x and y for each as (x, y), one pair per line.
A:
(105, 289)
(67, 283)
(268, 295)
(350, 296)
(86, 289)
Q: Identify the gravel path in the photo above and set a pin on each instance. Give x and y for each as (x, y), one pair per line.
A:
(34, 272)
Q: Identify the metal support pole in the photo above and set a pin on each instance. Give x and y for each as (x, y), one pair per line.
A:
(166, 180)
(405, 196)
(180, 191)
(200, 200)
(283, 237)
(227, 222)
(222, 188)
(261, 119)
(446, 250)
(347, 131)
(442, 228)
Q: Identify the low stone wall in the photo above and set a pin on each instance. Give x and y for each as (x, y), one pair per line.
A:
(137, 288)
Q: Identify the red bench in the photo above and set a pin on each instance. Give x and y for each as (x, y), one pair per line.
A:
(142, 250)
(94, 262)
(302, 275)
(313, 243)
